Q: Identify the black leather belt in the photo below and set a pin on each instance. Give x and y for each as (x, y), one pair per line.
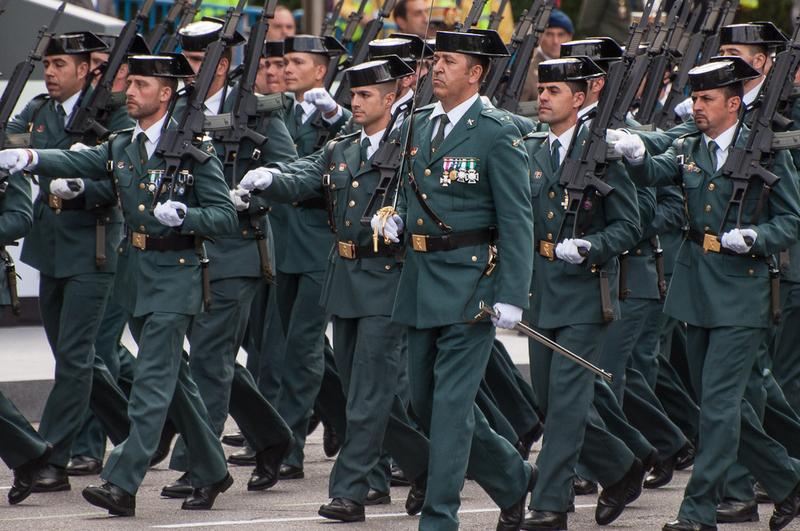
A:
(56, 203)
(711, 244)
(316, 203)
(351, 251)
(424, 243)
(166, 243)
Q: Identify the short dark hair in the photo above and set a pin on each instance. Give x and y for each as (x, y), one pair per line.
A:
(484, 63)
(170, 82)
(82, 58)
(578, 86)
(401, 9)
(733, 91)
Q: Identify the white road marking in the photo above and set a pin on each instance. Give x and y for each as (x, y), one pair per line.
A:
(52, 517)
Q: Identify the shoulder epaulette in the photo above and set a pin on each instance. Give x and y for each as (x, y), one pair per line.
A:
(536, 135)
(42, 96)
(691, 134)
(500, 116)
(424, 108)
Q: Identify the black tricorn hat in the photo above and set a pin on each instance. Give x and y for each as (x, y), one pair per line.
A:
(602, 50)
(431, 44)
(720, 72)
(314, 44)
(754, 33)
(196, 36)
(378, 71)
(273, 49)
(484, 43)
(579, 68)
(76, 42)
(172, 65)
(409, 47)
(138, 44)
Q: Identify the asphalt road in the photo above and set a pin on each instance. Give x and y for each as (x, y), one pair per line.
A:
(292, 505)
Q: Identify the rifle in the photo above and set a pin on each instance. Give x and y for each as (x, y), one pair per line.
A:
(724, 17)
(677, 90)
(331, 17)
(424, 96)
(22, 72)
(752, 160)
(179, 146)
(167, 24)
(496, 17)
(347, 37)
(664, 55)
(361, 51)
(170, 44)
(93, 108)
(3, 4)
(513, 70)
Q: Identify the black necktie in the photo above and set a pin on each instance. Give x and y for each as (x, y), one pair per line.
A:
(365, 143)
(555, 156)
(298, 114)
(438, 138)
(61, 112)
(141, 138)
(712, 151)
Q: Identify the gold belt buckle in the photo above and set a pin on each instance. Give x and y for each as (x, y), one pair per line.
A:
(139, 240)
(547, 249)
(347, 250)
(419, 242)
(54, 202)
(710, 243)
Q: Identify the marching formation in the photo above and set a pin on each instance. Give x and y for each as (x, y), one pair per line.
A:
(638, 221)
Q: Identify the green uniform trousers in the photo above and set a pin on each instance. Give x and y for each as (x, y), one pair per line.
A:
(785, 353)
(513, 395)
(487, 403)
(162, 385)
(446, 366)
(215, 337)
(265, 343)
(304, 323)
(71, 310)
(19, 443)
(721, 362)
(679, 402)
(369, 359)
(566, 393)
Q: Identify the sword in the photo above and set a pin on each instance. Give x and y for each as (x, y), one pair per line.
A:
(525, 329)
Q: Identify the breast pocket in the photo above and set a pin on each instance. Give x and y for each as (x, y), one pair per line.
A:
(124, 177)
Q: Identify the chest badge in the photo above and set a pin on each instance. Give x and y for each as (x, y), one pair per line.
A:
(121, 164)
(342, 166)
(470, 122)
(40, 128)
(537, 174)
(691, 167)
(413, 151)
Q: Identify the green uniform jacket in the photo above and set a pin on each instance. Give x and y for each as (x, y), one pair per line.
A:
(566, 294)
(642, 278)
(62, 245)
(302, 235)
(714, 289)
(16, 217)
(352, 288)
(154, 277)
(236, 254)
(445, 287)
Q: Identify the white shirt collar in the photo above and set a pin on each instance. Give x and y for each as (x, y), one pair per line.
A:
(456, 113)
(69, 104)
(213, 104)
(374, 141)
(402, 99)
(308, 109)
(586, 110)
(565, 139)
(751, 95)
(724, 140)
(153, 134)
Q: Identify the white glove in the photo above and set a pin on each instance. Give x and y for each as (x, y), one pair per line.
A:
(569, 250)
(67, 188)
(734, 240)
(508, 315)
(631, 147)
(236, 197)
(685, 108)
(259, 178)
(392, 228)
(614, 135)
(78, 146)
(14, 160)
(168, 213)
(321, 99)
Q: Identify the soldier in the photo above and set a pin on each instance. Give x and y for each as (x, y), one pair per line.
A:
(240, 262)
(725, 322)
(163, 277)
(270, 76)
(571, 271)
(468, 194)
(303, 240)
(66, 246)
(21, 448)
(358, 293)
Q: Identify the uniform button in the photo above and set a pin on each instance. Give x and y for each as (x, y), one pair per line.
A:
(244, 232)
(355, 184)
(181, 260)
(333, 186)
(119, 250)
(141, 208)
(711, 187)
(706, 228)
(551, 194)
(638, 252)
(347, 223)
(427, 172)
(549, 236)
(141, 228)
(425, 196)
(751, 271)
(474, 258)
(387, 267)
(351, 204)
(141, 186)
(707, 208)
(419, 221)
(294, 203)
(550, 214)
